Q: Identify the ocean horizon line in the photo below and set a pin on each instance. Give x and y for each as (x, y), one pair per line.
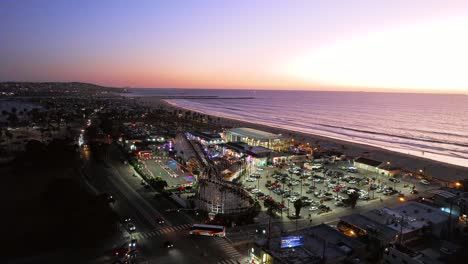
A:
(389, 91)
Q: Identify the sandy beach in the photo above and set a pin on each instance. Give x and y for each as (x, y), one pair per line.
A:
(431, 168)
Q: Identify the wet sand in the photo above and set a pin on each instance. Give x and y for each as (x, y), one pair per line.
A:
(432, 169)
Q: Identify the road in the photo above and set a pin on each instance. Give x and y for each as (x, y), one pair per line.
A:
(132, 199)
(112, 176)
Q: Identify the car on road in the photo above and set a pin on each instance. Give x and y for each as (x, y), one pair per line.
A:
(132, 244)
(131, 227)
(127, 219)
(414, 191)
(394, 180)
(168, 244)
(121, 251)
(160, 220)
(250, 180)
(108, 197)
(309, 191)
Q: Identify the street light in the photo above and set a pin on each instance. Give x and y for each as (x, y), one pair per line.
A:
(458, 184)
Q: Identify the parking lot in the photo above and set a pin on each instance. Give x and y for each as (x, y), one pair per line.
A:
(327, 189)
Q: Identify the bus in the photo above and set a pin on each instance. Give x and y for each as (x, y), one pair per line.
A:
(208, 230)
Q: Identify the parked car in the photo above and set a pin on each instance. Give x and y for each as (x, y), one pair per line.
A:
(313, 208)
(425, 182)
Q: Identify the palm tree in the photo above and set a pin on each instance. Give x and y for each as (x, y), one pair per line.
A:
(353, 197)
(298, 206)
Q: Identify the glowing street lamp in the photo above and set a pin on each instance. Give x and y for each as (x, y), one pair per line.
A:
(402, 199)
(458, 184)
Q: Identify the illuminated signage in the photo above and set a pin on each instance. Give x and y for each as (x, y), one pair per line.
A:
(292, 241)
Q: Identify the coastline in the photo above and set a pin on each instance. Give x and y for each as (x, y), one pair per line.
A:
(432, 168)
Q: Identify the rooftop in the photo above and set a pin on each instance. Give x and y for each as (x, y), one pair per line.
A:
(380, 231)
(333, 236)
(407, 217)
(422, 211)
(206, 135)
(297, 255)
(443, 193)
(367, 161)
(254, 133)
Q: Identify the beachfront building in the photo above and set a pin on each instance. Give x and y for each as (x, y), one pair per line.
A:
(254, 137)
(253, 155)
(367, 164)
(206, 138)
(377, 166)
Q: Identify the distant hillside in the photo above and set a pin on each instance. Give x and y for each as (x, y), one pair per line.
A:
(54, 88)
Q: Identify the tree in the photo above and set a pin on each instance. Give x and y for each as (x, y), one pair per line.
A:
(298, 206)
(272, 206)
(12, 119)
(158, 185)
(353, 197)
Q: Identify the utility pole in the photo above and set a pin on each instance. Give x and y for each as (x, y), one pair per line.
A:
(450, 220)
(402, 220)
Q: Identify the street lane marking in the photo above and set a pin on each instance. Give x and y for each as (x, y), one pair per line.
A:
(228, 248)
(228, 261)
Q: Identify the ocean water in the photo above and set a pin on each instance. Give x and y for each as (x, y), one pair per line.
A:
(434, 126)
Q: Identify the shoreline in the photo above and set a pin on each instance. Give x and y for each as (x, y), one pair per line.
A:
(432, 168)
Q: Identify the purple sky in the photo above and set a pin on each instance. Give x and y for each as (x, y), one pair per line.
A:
(235, 44)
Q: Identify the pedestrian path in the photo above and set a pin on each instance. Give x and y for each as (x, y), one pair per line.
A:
(228, 261)
(162, 231)
(227, 248)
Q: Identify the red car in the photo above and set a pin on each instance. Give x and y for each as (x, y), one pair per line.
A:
(121, 251)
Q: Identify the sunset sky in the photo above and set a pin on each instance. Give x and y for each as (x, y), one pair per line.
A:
(401, 45)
